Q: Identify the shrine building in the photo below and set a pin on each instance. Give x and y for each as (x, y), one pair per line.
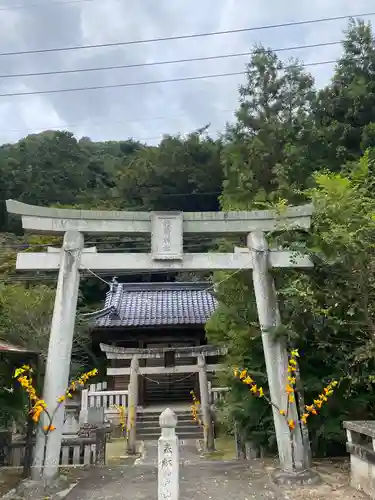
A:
(163, 324)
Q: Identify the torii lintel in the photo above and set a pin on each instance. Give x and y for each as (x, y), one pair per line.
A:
(59, 220)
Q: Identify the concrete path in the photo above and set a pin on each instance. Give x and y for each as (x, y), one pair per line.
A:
(200, 479)
(215, 480)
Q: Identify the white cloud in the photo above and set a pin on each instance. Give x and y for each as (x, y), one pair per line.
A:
(122, 112)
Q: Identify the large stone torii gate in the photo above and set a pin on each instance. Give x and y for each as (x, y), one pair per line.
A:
(167, 229)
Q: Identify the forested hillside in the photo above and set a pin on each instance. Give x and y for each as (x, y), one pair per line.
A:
(290, 143)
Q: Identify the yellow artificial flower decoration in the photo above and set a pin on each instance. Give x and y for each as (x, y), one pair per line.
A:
(248, 380)
(292, 368)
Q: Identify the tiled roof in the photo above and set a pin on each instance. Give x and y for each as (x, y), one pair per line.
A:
(152, 304)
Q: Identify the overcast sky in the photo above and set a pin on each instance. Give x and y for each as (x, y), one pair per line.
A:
(146, 112)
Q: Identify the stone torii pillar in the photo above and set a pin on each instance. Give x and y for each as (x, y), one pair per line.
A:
(47, 454)
(208, 432)
(275, 353)
(131, 430)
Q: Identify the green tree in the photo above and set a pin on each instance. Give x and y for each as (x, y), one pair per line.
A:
(344, 111)
(264, 155)
(178, 174)
(264, 159)
(25, 315)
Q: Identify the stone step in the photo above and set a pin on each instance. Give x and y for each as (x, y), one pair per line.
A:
(155, 423)
(181, 429)
(184, 435)
(148, 428)
(155, 415)
(152, 413)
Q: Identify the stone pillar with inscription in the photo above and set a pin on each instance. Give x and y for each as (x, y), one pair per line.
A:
(168, 457)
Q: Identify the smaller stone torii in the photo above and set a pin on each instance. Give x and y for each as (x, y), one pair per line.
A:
(135, 354)
(167, 230)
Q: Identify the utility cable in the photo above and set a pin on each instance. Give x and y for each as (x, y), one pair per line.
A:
(170, 61)
(44, 4)
(101, 122)
(190, 36)
(141, 140)
(157, 82)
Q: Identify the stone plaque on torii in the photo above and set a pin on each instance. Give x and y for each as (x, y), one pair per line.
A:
(166, 229)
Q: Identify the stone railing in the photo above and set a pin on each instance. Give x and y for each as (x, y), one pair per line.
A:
(361, 446)
(76, 451)
(109, 400)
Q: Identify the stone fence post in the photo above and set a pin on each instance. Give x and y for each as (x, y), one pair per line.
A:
(100, 446)
(168, 457)
(84, 406)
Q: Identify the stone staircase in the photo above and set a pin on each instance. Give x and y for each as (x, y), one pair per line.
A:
(148, 428)
(164, 389)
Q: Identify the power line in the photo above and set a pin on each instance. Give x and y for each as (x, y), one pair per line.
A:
(45, 73)
(120, 85)
(101, 122)
(162, 63)
(140, 139)
(153, 82)
(187, 37)
(44, 4)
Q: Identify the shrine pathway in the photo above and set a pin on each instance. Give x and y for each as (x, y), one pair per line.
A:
(199, 479)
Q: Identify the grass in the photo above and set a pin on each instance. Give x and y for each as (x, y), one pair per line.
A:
(225, 449)
(116, 451)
